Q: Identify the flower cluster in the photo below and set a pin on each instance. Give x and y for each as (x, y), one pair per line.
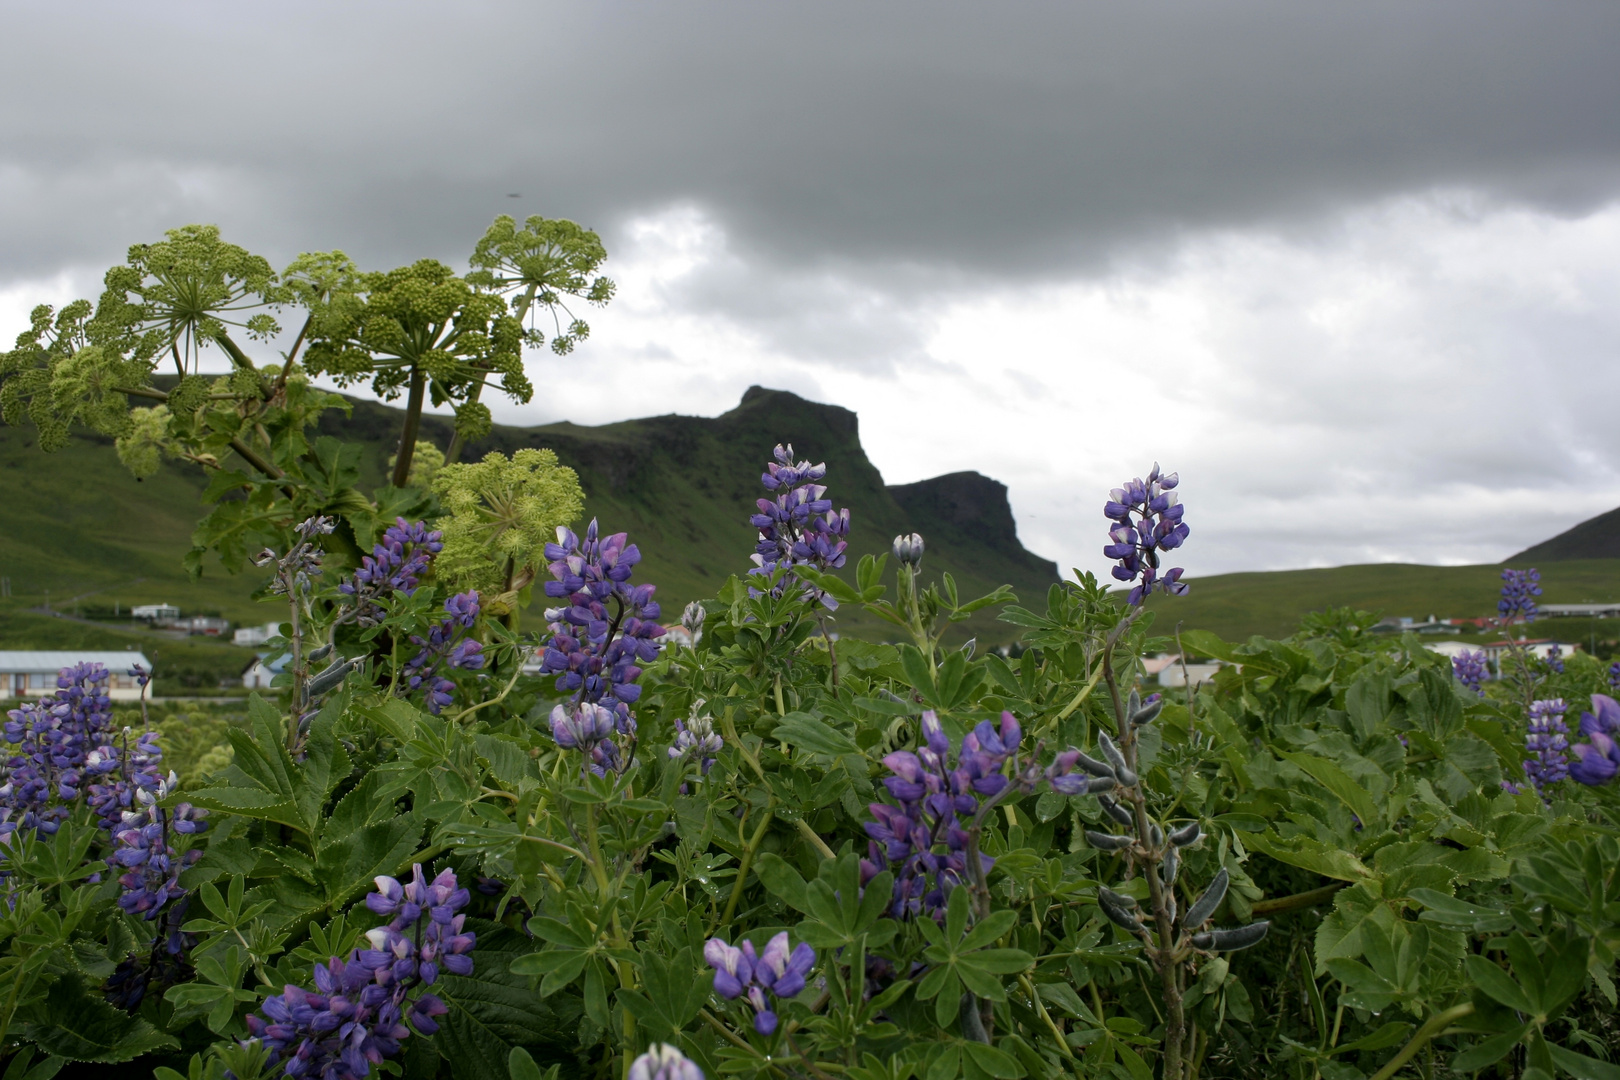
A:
(799, 526)
(1597, 761)
(149, 851)
(696, 740)
(664, 1062)
(1614, 675)
(775, 971)
(62, 746)
(356, 1015)
(1548, 743)
(1470, 668)
(125, 772)
(608, 627)
(588, 728)
(1555, 659)
(302, 563)
(939, 795)
(446, 646)
(1519, 590)
(1137, 541)
(396, 564)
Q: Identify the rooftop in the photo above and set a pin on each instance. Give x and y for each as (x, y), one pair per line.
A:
(14, 661)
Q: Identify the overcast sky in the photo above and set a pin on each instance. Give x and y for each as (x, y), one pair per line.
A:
(1353, 270)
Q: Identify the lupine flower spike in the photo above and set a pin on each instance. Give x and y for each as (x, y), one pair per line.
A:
(776, 972)
(799, 526)
(357, 1014)
(1519, 590)
(1597, 760)
(1136, 541)
(664, 1062)
(1471, 670)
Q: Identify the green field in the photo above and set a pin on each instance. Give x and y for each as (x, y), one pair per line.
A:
(1272, 603)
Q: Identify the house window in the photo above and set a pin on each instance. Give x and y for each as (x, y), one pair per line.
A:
(41, 680)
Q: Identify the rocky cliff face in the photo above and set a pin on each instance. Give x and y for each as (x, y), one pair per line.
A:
(684, 486)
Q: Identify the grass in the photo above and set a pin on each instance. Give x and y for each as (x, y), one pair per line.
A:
(1236, 606)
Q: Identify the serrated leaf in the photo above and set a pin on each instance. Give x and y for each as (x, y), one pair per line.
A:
(492, 1010)
(73, 1023)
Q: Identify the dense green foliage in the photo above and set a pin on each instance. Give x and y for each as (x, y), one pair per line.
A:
(1309, 869)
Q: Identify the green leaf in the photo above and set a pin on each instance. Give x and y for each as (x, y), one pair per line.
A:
(782, 880)
(814, 735)
(1310, 854)
(73, 1023)
(993, 1061)
(520, 1065)
(493, 1010)
(1582, 1067)
(1340, 783)
(1489, 1052)
(1496, 983)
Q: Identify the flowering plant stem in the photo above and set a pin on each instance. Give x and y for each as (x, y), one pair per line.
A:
(1435, 1025)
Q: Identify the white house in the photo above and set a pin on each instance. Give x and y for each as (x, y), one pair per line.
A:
(1173, 674)
(32, 672)
(155, 612)
(252, 636)
(1452, 649)
(263, 669)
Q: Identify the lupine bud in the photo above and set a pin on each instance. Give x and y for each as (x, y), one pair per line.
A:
(1185, 835)
(692, 616)
(1232, 940)
(908, 548)
(1148, 711)
(1118, 909)
(1210, 899)
(1115, 811)
(1122, 772)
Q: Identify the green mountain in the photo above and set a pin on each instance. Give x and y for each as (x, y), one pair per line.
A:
(1594, 538)
(78, 525)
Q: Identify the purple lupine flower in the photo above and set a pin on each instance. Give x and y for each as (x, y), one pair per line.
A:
(1470, 668)
(357, 1014)
(777, 971)
(923, 840)
(1548, 743)
(580, 726)
(62, 745)
(697, 740)
(1519, 590)
(799, 527)
(1137, 541)
(148, 850)
(396, 564)
(302, 564)
(1614, 675)
(446, 646)
(607, 628)
(1597, 761)
(663, 1062)
(1555, 659)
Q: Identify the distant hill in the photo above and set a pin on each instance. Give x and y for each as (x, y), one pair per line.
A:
(683, 487)
(1273, 602)
(1595, 538)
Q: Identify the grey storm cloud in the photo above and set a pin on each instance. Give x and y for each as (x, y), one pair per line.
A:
(982, 139)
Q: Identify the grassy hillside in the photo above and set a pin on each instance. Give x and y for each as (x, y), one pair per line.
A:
(683, 487)
(1238, 605)
(1594, 538)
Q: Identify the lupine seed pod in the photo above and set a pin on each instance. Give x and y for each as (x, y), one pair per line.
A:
(1208, 901)
(1133, 703)
(1185, 835)
(1118, 910)
(1203, 941)
(320, 654)
(331, 677)
(1168, 868)
(1170, 905)
(1126, 777)
(1107, 841)
(1114, 810)
(1147, 713)
(1240, 937)
(1099, 784)
(1156, 834)
(1093, 766)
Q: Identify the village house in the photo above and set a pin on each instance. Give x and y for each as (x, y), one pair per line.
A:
(26, 673)
(264, 668)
